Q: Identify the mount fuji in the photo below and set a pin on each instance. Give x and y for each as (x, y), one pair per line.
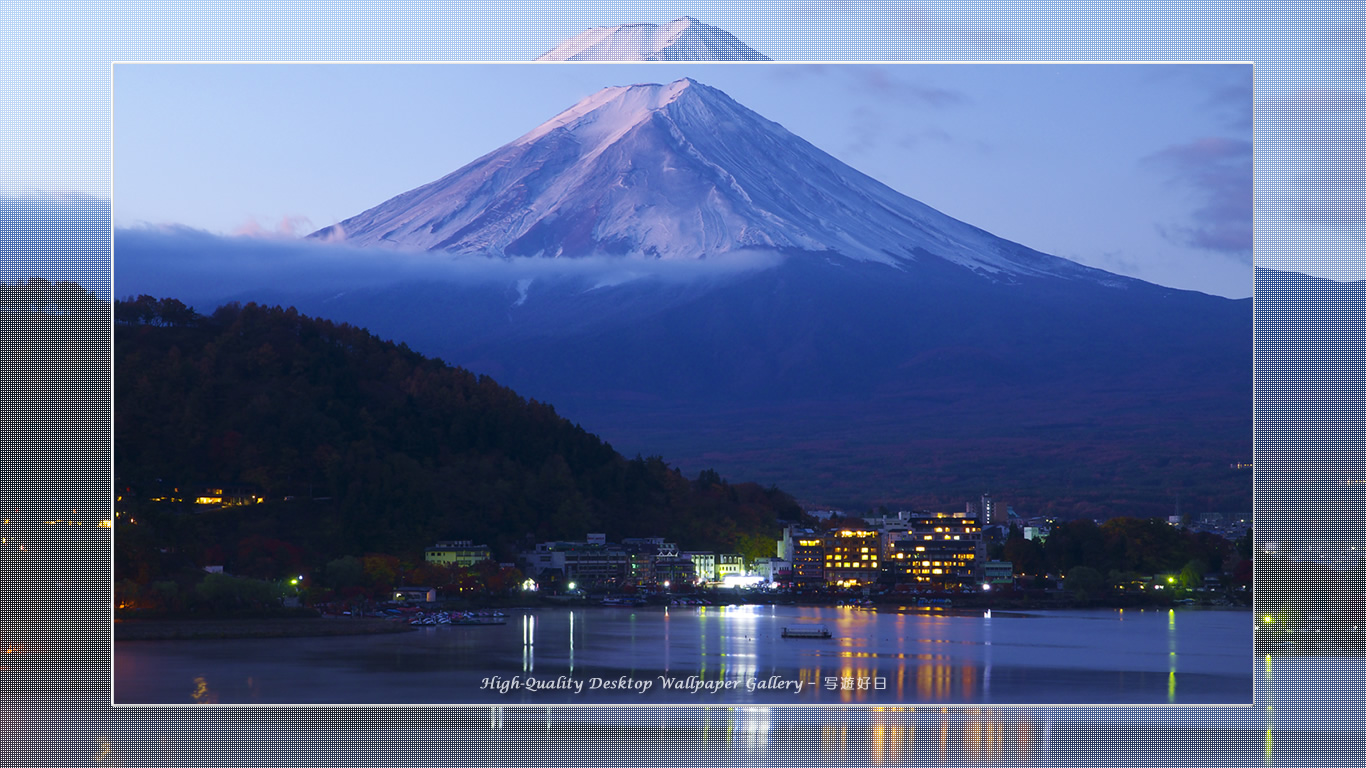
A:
(679, 171)
(827, 334)
(683, 39)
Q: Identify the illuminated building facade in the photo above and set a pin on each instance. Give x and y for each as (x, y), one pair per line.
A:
(773, 570)
(703, 565)
(940, 550)
(226, 497)
(852, 557)
(729, 565)
(805, 550)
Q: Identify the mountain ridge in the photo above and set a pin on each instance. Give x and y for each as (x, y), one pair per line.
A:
(683, 39)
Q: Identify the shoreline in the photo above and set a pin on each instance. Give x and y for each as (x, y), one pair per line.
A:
(135, 630)
(131, 630)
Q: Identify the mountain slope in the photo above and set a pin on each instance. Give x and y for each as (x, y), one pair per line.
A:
(869, 384)
(683, 39)
(678, 171)
(396, 450)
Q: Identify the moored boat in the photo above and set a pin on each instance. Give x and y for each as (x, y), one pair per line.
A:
(808, 632)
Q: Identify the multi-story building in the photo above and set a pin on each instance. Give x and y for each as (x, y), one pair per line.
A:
(462, 553)
(640, 568)
(852, 556)
(673, 570)
(703, 565)
(941, 550)
(774, 570)
(645, 556)
(729, 565)
(998, 572)
(592, 561)
(805, 550)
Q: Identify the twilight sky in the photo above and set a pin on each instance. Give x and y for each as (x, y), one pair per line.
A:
(1144, 170)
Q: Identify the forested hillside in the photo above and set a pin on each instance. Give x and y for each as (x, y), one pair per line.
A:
(359, 445)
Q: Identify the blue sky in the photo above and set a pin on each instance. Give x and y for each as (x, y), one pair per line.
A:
(1310, 57)
(1143, 170)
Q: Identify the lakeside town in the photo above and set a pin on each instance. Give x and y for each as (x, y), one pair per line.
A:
(933, 558)
(349, 466)
(981, 556)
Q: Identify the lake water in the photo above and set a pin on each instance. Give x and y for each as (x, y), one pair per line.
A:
(723, 656)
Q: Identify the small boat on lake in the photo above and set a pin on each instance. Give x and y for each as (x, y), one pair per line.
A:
(808, 632)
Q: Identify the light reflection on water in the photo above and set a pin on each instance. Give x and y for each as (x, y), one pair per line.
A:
(529, 643)
(201, 693)
(1262, 736)
(1171, 656)
(874, 658)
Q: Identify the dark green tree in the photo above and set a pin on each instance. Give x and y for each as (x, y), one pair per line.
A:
(1084, 581)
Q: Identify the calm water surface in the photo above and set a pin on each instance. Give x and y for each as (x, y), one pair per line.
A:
(723, 655)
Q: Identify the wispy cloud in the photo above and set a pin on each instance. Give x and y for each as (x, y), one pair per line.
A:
(912, 20)
(1217, 172)
(881, 82)
(900, 112)
(1224, 91)
(888, 84)
(288, 227)
(201, 268)
(870, 130)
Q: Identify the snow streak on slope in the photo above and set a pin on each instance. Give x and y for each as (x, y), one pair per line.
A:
(683, 39)
(677, 171)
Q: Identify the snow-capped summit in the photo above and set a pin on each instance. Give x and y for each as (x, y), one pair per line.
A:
(677, 171)
(605, 114)
(683, 39)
